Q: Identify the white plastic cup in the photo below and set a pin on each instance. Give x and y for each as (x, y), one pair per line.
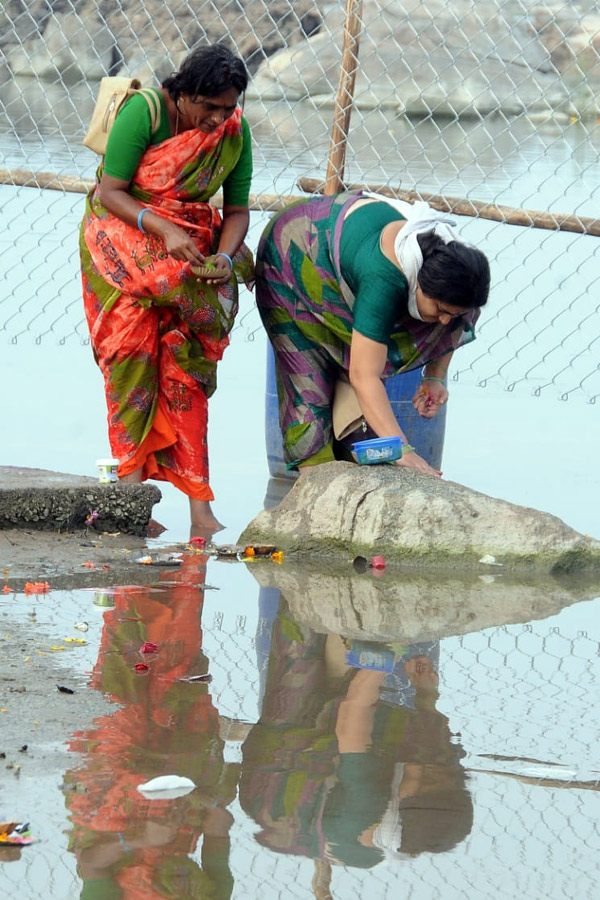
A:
(104, 598)
(107, 470)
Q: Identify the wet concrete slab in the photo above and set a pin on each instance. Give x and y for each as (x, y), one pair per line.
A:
(42, 500)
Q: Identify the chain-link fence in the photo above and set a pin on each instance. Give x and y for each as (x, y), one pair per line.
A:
(491, 109)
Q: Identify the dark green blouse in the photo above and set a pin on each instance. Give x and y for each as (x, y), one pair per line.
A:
(131, 135)
(380, 288)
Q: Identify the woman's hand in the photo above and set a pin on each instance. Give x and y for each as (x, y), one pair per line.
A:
(179, 244)
(429, 397)
(412, 460)
(215, 269)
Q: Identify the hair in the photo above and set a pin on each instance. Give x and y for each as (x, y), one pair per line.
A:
(453, 273)
(207, 71)
(436, 821)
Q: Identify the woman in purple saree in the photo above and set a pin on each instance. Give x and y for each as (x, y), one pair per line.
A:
(360, 286)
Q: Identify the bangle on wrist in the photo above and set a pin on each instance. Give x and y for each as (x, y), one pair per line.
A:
(140, 217)
(227, 257)
(433, 378)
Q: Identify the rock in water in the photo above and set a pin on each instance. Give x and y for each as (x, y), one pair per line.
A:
(343, 510)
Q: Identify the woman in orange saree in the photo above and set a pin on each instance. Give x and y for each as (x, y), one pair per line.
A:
(157, 327)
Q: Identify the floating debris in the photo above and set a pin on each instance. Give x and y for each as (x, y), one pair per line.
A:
(360, 564)
(489, 560)
(166, 787)
(377, 562)
(149, 647)
(229, 551)
(36, 587)
(81, 626)
(171, 560)
(65, 690)
(260, 550)
(15, 834)
(192, 679)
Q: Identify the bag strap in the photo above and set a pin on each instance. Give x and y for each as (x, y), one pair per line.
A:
(154, 105)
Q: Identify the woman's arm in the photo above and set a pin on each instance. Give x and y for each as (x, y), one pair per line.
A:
(367, 362)
(115, 197)
(236, 220)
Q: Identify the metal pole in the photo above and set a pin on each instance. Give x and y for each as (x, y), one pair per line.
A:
(334, 181)
(507, 215)
(72, 184)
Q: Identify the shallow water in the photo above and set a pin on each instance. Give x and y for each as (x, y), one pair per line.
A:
(464, 761)
(468, 765)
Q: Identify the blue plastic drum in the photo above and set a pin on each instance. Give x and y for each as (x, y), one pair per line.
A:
(425, 435)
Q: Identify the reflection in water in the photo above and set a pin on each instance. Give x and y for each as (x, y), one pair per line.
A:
(415, 603)
(127, 846)
(350, 762)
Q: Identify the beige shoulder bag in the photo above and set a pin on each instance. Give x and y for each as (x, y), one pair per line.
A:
(112, 94)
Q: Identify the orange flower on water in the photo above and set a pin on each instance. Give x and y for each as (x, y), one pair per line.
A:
(6, 589)
(277, 556)
(36, 587)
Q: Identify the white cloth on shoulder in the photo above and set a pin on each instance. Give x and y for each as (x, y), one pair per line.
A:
(420, 218)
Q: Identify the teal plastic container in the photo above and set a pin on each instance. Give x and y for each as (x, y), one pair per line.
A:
(425, 435)
(378, 450)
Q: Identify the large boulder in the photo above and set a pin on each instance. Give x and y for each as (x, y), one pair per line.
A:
(69, 44)
(435, 58)
(343, 510)
(146, 40)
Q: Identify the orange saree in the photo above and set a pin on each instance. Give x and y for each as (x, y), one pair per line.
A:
(157, 333)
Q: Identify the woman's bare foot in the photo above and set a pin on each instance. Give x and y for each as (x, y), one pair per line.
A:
(203, 522)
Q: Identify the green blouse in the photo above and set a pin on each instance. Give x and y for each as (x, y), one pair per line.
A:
(380, 288)
(131, 135)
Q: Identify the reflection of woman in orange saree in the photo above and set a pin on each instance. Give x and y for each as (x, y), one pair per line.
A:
(129, 847)
(157, 328)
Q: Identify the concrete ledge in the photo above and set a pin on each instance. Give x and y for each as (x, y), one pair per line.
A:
(54, 501)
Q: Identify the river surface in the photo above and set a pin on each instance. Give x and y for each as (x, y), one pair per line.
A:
(457, 757)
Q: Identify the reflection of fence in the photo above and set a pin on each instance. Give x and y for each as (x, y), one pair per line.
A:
(517, 701)
(493, 108)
